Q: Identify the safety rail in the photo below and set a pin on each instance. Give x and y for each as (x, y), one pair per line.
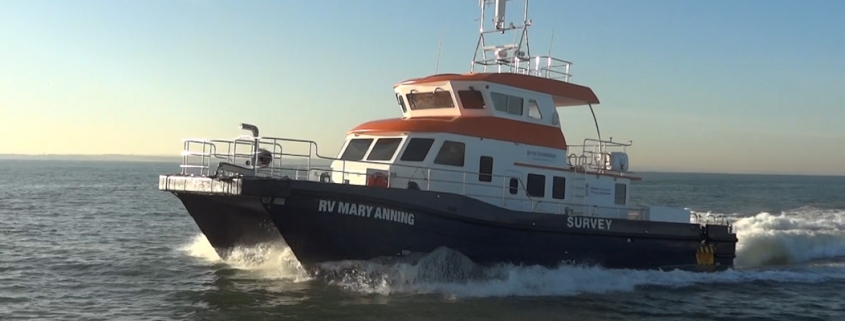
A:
(595, 154)
(232, 153)
(539, 66)
(710, 219)
(287, 158)
(203, 157)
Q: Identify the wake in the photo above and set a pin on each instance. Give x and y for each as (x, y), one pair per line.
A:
(798, 236)
(778, 248)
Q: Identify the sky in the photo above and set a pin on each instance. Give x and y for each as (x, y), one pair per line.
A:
(726, 86)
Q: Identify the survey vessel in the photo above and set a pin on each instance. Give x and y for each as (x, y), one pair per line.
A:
(477, 163)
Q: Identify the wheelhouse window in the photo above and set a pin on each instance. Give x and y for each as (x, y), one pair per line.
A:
(356, 148)
(507, 103)
(485, 169)
(558, 187)
(471, 99)
(417, 149)
(384, 149)
(451, 153)
(621, 194)
(401, 102)
(536, 185)
(431, 100)
(534, 110)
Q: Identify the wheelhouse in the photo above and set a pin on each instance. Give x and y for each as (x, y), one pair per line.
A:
(487, 137)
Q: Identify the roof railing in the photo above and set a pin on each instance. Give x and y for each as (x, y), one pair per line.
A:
(538, 66)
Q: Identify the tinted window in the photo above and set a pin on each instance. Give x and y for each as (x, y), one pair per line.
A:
(536, 185)
(559, 187)
(356, 149)
(432, 100)
(507, 103)
(451, 153)
(485, 169)
(471, 99)
(515, 105)
(417, 149)
(500, 101)
(384, 149)
(513, 186)
(621, 193)
(401, 102)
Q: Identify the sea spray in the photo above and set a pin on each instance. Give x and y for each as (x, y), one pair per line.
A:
(796, 236)
(507, 280)
(265, 261)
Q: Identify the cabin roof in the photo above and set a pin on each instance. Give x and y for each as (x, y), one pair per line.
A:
(484, 127)
(563, 93)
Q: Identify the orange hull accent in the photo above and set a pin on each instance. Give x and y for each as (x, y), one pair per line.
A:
(482, 127)
(564, 93)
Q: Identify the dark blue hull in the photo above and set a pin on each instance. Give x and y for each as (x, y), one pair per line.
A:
(324, 222)
(322, 227)
(230, 221)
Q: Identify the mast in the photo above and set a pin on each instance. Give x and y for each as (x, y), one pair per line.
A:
(504, 56)
(512, 56)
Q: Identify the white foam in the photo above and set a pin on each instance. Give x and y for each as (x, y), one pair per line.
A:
(509, 280)
(265, 261)
(797, 236)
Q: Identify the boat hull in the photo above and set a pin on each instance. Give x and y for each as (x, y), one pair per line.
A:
(325, 222)
(323, 227)
(229, 221)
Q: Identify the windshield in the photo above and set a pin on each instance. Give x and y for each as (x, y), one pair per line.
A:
(431, 100)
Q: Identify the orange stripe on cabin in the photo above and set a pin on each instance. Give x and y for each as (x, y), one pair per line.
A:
(561, 169)
(563, 93)
(482, 127)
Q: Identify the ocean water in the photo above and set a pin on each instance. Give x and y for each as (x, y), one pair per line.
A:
(97, 241)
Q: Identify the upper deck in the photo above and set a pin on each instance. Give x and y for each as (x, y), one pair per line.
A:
(563, 93)
(519, 97)
(512, 90)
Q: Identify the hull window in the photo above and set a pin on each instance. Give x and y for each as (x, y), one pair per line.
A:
(433, 100)
(558, 187)
(451, 153)
(507, 103)
(514, 186)
(536, 185)
(356, 149)
(384, 149)
(471, 99)
(417, 149)
(485, 169)
(621, 194)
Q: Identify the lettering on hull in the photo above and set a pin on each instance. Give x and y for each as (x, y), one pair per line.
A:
(367, 211)
(589, 223)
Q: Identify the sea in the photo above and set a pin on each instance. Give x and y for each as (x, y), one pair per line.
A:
(89, 240)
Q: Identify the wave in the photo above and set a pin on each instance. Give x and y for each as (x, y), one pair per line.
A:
(796, 236)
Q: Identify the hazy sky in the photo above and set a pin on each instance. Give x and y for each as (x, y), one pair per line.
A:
(720, 85)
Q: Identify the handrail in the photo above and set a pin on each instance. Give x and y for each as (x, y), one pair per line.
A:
(540, 66)
(200, 154)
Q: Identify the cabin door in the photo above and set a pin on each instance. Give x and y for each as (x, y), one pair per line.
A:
(514, 195)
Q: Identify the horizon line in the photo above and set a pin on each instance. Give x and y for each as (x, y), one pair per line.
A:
(162, 157)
